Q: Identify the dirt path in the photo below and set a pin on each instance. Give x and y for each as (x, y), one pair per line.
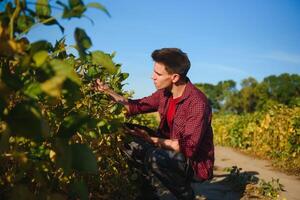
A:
(227, 157)
(221, 189)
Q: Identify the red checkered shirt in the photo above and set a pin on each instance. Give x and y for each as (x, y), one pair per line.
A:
(191, 125)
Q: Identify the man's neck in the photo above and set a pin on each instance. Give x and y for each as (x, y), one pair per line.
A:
(178, 89)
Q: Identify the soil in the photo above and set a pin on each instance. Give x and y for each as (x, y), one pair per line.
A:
(221, 187)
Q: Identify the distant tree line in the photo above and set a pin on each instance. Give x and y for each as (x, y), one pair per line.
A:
(253, 95)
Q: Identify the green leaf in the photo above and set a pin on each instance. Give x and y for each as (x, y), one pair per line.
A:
(33, 90)
(103, 59)
(43, 8)
(53, 86)
(75, 9)
(123, 76)
(24, 22)
(25, 119)
(63, 68)
(79, 190)
(98, 6)
(71, 124)
(92, 71)
(75, 3)
(40, 46)
(83, 158)
(54, 22)
(40, 57)
(60, 45)
(83, 41)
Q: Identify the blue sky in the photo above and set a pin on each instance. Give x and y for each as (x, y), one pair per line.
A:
(224, 39)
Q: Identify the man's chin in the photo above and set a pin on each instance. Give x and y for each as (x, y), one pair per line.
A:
(158, 87)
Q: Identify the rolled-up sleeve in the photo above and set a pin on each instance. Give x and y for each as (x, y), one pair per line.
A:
(144, 105)
(195, 128)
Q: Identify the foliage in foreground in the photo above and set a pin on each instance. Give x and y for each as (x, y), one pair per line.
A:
(58, 138)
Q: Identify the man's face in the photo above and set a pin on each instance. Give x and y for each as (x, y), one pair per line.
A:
(161, 78)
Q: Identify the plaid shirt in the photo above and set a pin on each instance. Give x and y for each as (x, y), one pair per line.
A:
(191, 125)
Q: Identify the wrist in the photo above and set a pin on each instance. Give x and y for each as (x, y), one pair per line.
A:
(156, 141)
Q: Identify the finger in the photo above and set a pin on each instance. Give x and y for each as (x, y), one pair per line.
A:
(98, 81)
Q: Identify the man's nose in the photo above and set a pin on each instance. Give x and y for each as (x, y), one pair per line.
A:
(153, 76)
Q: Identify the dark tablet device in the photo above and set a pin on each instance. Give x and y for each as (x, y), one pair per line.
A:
(147, 129)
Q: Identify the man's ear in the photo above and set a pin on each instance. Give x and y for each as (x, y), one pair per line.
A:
(175, 78)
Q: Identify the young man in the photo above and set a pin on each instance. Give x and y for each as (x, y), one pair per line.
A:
(182, 147)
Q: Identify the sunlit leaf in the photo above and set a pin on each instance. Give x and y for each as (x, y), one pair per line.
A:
(64, 69)
(75, 9)
(123, 76)
(103, 59)
(98, 6)
(24, 22)
(92, 71)
(43, 8)
(33, 90)
(41, 45)
(53, 86)
(40, 57)
(75, 3)
(52, 155)
(82, 40)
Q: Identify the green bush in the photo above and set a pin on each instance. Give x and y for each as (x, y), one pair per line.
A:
(272, 133)
(58, 138)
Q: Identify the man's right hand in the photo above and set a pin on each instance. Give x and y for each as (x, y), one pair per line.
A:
(100, 86)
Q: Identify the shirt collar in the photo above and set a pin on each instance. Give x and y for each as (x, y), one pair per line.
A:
(186, 92)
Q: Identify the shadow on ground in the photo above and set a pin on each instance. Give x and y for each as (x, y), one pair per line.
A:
(227, 184)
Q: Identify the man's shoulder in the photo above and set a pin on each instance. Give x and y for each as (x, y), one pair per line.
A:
(196, 95)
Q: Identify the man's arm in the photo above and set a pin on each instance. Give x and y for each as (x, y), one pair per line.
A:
(101, 87)
(171, 144)
(133, 107)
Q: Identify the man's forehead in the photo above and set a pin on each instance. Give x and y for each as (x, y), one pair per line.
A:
(159, 67)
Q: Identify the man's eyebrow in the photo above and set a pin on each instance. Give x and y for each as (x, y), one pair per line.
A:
(157, 72)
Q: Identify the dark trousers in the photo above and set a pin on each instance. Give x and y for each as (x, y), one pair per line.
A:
(160, 166)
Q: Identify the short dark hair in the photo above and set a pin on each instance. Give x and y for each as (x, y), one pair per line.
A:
(175, 60)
